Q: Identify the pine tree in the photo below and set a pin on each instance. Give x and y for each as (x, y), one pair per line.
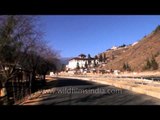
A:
(86, 65)
(100, 58)
(148, 64)
(154, 64)
(78, 66)
(89, 59)
(157, 28)
(126, 67)
(151, 64)
(96, 57)
(104, 58)
(95, 64)
(122, 45)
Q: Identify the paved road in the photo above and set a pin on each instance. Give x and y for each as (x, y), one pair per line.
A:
(79, 92)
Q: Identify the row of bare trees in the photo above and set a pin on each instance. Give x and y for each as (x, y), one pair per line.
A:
(22, 47)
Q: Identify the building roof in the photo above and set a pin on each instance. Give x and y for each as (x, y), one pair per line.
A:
(82, 55)
(77, 58)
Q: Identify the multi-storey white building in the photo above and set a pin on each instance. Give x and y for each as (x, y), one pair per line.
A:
(81, 60)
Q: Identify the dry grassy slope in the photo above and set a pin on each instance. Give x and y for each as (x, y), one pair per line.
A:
(116, 53)
(136, 55)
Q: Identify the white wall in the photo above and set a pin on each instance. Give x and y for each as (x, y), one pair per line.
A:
(73, 63)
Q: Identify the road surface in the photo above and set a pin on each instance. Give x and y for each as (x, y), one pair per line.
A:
(78, 92)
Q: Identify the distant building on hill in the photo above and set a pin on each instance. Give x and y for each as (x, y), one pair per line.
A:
(114, 48)
(134, 43)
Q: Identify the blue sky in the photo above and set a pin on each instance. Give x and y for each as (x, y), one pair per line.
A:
(72, 35)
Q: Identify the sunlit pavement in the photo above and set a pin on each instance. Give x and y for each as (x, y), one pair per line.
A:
(78, 92)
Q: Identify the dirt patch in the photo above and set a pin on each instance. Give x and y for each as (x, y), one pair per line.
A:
(48, 78)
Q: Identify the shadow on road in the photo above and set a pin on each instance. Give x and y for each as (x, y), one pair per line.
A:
(107, 95)
(64, 82)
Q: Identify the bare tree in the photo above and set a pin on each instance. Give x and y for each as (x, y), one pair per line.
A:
(22, 46)
(17, 36)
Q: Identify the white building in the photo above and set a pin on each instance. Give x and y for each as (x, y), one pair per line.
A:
(134, 43)
(114, 48)
(81, 60)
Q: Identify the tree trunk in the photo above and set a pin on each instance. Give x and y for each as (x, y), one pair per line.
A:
(33, 84)
(4, 94)
(13, 85)
(44, 79)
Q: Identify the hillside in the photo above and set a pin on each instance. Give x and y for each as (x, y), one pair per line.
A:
(136, 55)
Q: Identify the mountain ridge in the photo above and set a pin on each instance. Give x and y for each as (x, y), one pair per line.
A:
(135, 55)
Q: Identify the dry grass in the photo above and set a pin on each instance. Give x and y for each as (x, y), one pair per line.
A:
(136, 85)
(136, 55)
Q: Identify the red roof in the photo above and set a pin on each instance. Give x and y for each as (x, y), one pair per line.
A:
(77, 58)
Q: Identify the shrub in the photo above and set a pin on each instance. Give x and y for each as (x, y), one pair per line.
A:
(151, 64)
(126, 67)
